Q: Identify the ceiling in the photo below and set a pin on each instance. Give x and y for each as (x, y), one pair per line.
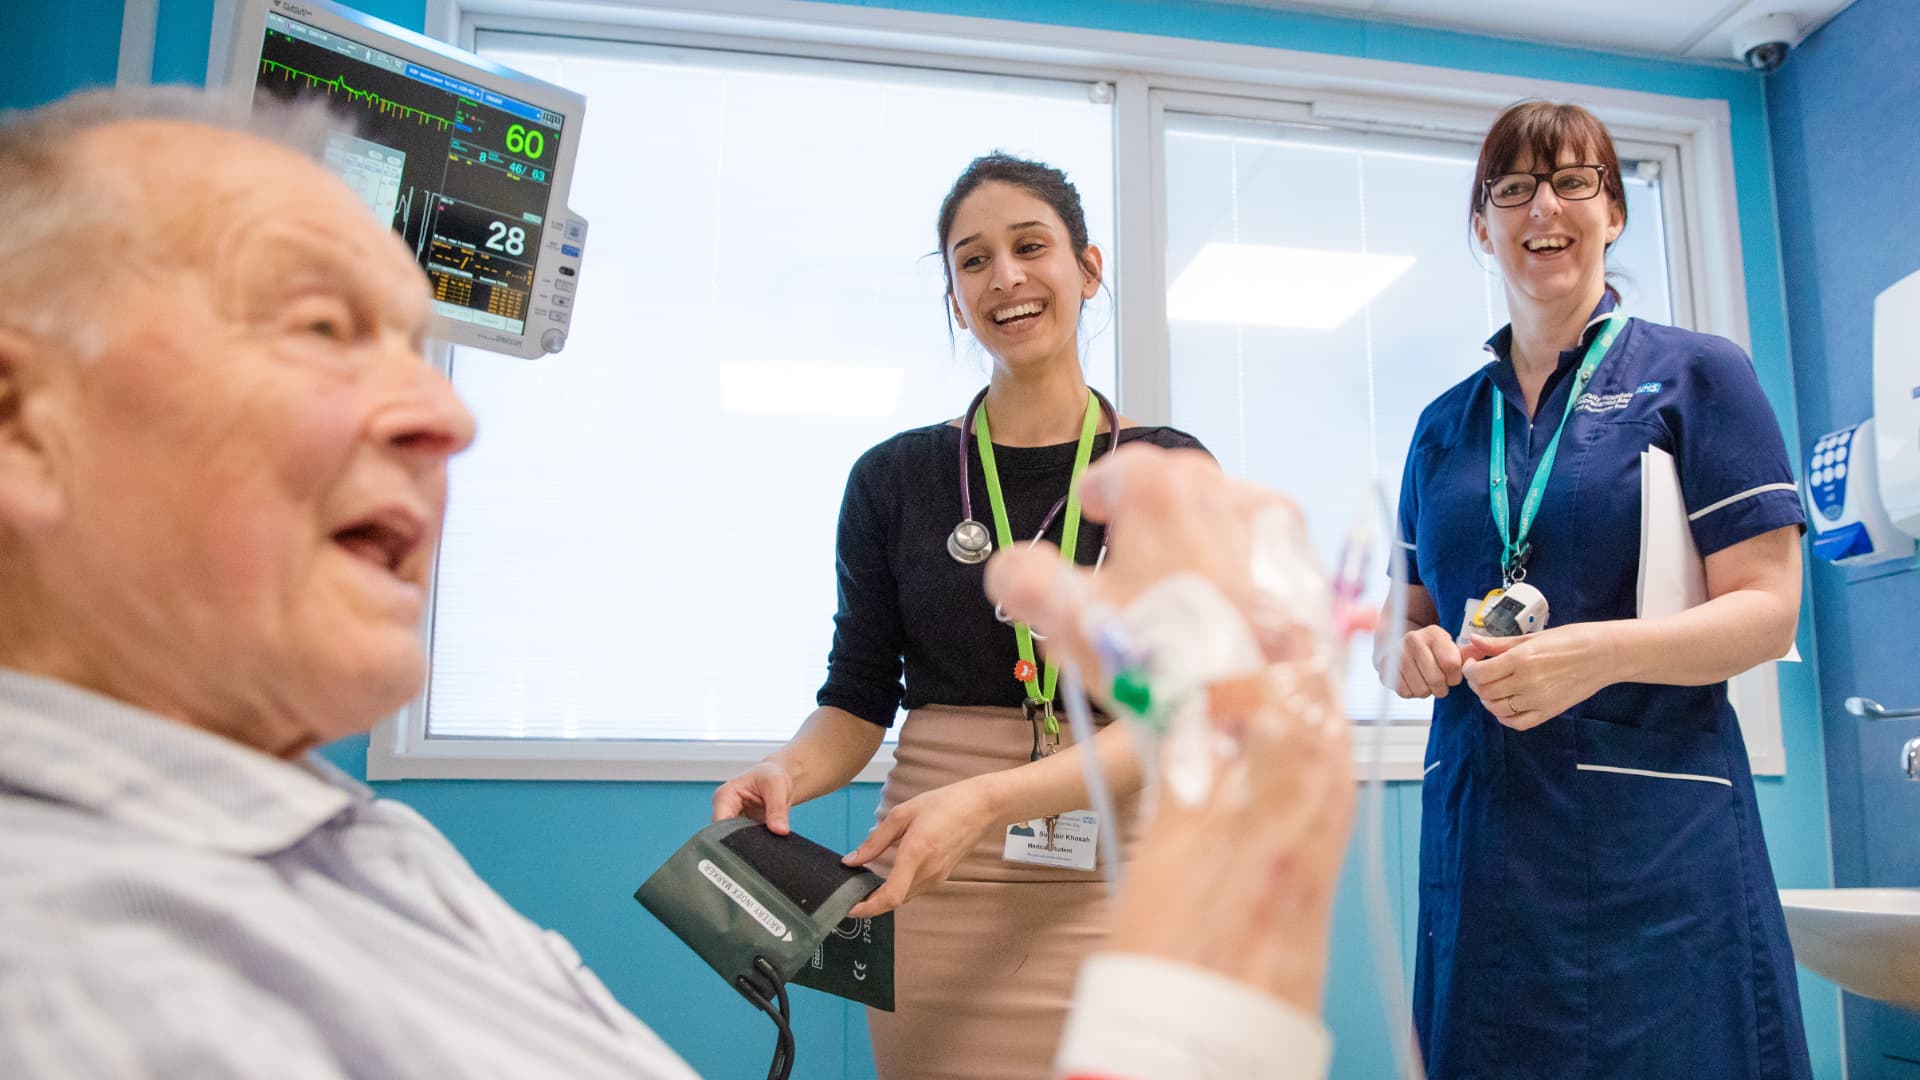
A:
(1692, 29)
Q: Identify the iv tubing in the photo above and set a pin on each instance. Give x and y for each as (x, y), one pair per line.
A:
(1380, 929)
(1080, 720)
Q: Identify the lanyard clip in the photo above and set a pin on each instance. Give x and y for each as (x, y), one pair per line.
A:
(1046, 727)
(1513, 568)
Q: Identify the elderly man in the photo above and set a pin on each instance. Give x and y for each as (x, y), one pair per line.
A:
(222, 474)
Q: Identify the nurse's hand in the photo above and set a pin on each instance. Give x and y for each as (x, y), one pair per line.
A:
(1526, 681)
(934, 831)
(763, 793)
(1430, 663)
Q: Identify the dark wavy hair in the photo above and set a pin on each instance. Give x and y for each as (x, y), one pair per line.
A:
(1042, 181)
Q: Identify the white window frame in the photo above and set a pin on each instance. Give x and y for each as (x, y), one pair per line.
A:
(1690, 138)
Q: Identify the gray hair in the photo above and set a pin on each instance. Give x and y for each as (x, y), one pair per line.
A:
(68, 226)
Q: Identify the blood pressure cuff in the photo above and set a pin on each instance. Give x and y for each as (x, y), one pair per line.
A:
(736, 891)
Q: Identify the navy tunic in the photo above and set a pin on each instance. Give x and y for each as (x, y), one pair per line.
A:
(1595, 895)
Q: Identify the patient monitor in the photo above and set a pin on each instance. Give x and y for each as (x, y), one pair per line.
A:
(470, 161)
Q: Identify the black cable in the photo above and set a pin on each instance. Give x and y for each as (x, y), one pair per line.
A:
(784, 1021)
(781, 1014)
(784, 1047)
(782, 1053)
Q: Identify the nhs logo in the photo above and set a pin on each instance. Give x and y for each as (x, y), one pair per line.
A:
(1647, 388)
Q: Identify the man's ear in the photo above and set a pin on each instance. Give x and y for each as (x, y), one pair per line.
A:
(30, 493)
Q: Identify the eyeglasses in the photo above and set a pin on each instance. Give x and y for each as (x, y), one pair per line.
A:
(1572, 182)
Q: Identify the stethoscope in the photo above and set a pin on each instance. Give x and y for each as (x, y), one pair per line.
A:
(970, 542)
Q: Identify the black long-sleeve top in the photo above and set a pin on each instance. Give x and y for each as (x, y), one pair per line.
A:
(905, 602)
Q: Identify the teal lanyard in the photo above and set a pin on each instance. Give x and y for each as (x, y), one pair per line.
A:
(1069, 527)
(1514, 547)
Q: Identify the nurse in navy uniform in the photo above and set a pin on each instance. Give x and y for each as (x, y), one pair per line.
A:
(1595, 895)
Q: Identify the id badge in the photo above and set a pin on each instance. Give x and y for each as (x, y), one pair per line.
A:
(1067, 841)
(1477, 608)
(1474, 604)
(1514, 611)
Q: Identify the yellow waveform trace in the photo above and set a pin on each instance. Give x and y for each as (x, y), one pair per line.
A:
(374, 101)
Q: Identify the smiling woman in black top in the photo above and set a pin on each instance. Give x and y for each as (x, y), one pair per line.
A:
(987, 950)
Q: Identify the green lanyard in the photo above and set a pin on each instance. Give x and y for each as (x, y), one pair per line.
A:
(1514, 547)
(1069, 527)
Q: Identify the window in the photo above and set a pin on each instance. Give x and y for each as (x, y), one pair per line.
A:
(637, 575)
(1323, 288)
(642, 542)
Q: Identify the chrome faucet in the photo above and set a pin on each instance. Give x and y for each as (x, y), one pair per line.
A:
(1873, 710)
(1910, 758)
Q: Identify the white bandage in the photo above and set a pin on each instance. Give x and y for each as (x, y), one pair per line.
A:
(1163, 650)
(1183, 634)
(1177, 637)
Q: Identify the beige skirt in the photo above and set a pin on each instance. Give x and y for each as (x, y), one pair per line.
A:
(984, 964)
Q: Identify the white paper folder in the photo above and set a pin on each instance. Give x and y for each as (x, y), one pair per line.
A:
(1673, 577)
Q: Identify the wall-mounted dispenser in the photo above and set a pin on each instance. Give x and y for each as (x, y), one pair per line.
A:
(1896, 400)
(1862, 483)
(1850, 525)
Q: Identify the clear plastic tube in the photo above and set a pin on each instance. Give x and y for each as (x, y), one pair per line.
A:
(1380, 929)
(1099, 793)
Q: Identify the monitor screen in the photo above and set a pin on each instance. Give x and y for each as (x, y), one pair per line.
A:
(464, 173)
(467, 160)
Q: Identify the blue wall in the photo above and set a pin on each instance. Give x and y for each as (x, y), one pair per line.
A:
(1846, 152)
(78, 49)
(570, 854)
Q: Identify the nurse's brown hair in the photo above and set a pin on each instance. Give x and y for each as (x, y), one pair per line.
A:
(1539, 131)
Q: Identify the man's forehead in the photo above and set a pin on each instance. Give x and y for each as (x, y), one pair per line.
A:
(191, 152)
(226, 188)
(206, 172)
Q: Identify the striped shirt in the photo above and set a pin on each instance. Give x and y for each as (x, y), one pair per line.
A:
(173, 903)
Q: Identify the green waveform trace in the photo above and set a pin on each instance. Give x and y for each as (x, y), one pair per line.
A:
(339, 83)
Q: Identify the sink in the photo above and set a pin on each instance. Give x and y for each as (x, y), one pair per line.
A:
(1867, 940)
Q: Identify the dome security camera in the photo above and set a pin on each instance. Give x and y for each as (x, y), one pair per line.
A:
(1762, 43)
